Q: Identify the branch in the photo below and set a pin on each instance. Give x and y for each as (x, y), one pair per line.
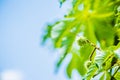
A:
(92, 54)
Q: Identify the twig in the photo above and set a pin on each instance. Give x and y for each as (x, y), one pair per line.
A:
(93, 45)
(92, 54)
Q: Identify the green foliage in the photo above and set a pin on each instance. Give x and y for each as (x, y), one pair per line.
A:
(117, 76)
(98, 21)
(91, 71)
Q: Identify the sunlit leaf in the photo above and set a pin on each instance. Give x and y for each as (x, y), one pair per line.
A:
(117, 76)
(91, 71)
(99, 22)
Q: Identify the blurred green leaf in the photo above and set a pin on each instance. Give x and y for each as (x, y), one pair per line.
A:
(117, 76)
(99, 22)
(105, 76)
(75, 63)
(91, 71)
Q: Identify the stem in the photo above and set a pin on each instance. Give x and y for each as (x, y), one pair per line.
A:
(92, 54)
(93, 45)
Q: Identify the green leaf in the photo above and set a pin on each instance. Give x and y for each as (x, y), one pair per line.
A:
(108, 76)
(75, 63)
(91, 72)
(105, 76)
(118, 46)
(117, 76)
(47, 34)
(102, 76)
(95, 20)
(106, 29)
(105, 61)
(68, 44)
(65, 32)
(48, 31)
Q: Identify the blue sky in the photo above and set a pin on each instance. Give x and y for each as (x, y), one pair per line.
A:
(21, 25)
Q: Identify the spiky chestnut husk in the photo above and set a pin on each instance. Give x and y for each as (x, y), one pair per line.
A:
(82, 41)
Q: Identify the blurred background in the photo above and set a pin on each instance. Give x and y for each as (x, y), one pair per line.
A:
(22, 57)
